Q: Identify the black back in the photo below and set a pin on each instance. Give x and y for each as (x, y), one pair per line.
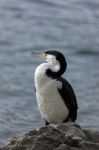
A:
(68, 95)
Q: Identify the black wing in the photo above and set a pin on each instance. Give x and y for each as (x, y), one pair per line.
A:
(68, 95)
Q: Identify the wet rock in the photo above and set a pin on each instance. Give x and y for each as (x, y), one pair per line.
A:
(66, 136)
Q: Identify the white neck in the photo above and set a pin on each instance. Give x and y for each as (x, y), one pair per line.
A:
(40, 73)
(55, 67)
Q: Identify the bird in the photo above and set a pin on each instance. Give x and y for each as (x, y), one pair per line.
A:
(55, 96)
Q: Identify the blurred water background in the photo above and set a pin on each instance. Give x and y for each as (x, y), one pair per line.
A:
(72, 26)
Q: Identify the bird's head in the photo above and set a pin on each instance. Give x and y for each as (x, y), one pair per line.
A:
(56, 61)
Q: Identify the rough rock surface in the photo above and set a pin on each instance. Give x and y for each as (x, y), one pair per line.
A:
(67, 136)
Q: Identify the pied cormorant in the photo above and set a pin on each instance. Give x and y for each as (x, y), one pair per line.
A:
(55, 96)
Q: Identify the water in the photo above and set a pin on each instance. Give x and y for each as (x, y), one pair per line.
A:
(71, 26)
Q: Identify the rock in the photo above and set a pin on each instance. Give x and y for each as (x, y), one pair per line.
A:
(72, 129)
(92, 135)
(66, 136)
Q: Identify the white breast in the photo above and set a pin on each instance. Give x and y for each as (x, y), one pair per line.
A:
(50, 103)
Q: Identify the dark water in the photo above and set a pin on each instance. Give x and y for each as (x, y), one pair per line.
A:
(72, 26)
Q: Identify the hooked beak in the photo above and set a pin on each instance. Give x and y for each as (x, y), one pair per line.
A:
(38, 54)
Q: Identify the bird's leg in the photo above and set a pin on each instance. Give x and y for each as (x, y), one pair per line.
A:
(46, 123)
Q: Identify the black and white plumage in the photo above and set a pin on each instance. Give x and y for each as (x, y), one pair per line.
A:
(55, 96)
